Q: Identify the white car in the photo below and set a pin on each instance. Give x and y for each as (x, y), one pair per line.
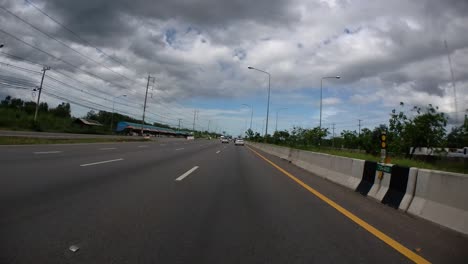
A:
(225, 140)
(239, 142)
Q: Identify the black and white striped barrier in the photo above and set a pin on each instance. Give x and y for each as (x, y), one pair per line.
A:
(392, 185)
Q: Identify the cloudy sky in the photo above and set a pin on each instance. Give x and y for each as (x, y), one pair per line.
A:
(198, 53)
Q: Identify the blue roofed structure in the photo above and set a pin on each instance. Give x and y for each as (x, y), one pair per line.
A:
(128, 128)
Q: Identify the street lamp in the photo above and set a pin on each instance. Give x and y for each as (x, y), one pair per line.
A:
(268, 103)
(113, 107)
(321, 81)
(277, 110)
(251, 114)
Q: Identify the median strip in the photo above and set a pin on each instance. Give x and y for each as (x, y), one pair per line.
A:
(100, 162)
(48, 152)
(371, 229)
(181, 177)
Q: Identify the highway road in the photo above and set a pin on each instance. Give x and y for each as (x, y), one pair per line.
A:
(35, 134)
(195, 202)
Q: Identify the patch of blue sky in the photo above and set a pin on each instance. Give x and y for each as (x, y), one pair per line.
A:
(170, 36)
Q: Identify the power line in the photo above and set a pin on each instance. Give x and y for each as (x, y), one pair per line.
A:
(53, 91)
(54, 71)
(72, 32)
(20, 68)
(81, 90)
(57, 58)
(68, 76)
(17, 80)
(12, 86)
(63, 43)
(19, 58)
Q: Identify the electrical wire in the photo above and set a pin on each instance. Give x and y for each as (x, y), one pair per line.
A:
(72, 32)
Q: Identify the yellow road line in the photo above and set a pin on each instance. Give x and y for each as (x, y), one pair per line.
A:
(374, 231)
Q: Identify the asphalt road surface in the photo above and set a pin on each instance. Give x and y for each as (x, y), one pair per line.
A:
(34, 134)
(194, 202)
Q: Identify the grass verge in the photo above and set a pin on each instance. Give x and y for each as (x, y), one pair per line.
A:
(458, 167)
(31, 141)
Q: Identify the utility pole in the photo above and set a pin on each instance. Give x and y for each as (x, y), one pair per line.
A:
(209, 121)
(144, 105)
(359, 120)
(44, 69)
(333, 139)
(453, 81)
(195, 112)
(180, 119)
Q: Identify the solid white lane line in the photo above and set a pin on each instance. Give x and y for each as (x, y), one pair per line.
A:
(48, 152)
(100, 162)
(143, 146)
(181, 177)
(217, 152)
(180, 149)
(107, 148)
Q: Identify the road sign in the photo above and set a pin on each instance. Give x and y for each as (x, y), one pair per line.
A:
(384, 168)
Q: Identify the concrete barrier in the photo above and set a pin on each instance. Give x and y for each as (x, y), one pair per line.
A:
(380, 187)
(356, 173)
(410, 189)
(282, 152)
(398, 186)
(368, 178)
(395, 189)
(341, 170)
(442, 197)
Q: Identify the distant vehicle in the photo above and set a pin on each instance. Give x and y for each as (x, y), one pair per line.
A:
(225, 140)
(239, 142)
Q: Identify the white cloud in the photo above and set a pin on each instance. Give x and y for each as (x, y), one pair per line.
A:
(331, 101)
(385, 51)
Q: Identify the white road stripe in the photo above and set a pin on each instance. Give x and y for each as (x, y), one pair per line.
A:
(181, 177)
(100, 162)
(143, 146)
(48, 152)
(107, 148)
(180, 149)
(217, 152)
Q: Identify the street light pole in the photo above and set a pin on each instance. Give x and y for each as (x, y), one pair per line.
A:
(268, 102)
(321, 88)
(113, 107)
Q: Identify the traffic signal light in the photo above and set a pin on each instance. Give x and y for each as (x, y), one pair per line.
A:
(383, 140)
